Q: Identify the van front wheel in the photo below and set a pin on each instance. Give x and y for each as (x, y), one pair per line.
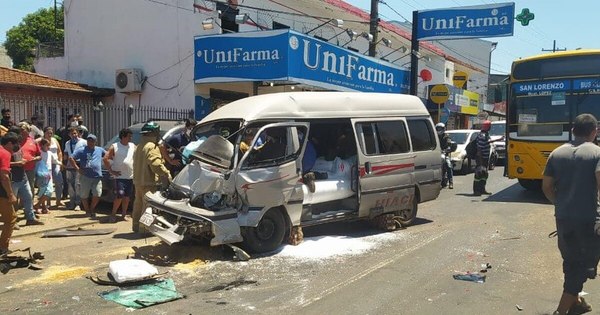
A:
(268, 235)
(407, 216)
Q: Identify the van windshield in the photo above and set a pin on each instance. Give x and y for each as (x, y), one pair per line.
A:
(497, 130)
(228, 129)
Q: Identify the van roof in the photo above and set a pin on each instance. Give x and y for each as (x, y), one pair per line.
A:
(320, 105)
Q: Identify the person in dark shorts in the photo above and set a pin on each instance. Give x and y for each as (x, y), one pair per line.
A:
(119, 163)
(571, 182)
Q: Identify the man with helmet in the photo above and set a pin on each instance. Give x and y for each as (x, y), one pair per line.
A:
(148, 170)
(446, 145)
(481, 161)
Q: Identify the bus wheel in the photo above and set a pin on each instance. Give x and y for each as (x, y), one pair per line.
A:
(407, 216)
(268, 235)
(531, 184)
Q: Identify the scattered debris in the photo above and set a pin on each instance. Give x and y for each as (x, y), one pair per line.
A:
(519, 308)
(76, 298)
(468, 276)
(511, 238)
(128, 270)
(485, 267)
(16, 260)
(15, 241)
(240, 254)
(144, 295)
(78, 232)
(110, 281)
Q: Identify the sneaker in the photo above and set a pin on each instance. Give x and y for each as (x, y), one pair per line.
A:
(112, 219)
(34, 222)
(451, 186)
(486, 192)
(93, 216)
(580, 308)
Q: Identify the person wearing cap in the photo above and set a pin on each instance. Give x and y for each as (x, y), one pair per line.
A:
(90, 171)
(175, 144)
(149, 171)
(71, 173)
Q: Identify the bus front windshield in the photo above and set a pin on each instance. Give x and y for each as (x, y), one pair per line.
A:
(547, 114)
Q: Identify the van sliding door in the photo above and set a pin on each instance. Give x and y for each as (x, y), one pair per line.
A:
(385, 164)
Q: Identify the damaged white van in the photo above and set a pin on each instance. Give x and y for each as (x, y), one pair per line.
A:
(265, 166)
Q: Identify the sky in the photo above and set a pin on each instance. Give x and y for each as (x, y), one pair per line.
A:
(573, 24)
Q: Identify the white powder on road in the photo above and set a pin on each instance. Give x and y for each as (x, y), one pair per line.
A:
(321, 247)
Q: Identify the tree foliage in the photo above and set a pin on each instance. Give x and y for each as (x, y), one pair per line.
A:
(37, 27)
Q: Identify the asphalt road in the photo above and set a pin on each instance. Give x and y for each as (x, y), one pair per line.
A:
(339, 269)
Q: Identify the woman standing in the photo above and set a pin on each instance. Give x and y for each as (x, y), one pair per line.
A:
(57, 177)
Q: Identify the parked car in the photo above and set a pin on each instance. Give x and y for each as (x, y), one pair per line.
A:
(498, 131)
(460, 161)
(167, 128)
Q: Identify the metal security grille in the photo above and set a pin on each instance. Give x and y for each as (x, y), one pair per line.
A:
(113, 118)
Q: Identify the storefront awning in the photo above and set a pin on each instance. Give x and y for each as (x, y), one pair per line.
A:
(286, 55)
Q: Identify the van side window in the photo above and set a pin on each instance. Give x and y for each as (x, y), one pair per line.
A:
(384, 137)
(421, 135)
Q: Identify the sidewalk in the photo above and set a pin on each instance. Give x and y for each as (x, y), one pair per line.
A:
(62, 219)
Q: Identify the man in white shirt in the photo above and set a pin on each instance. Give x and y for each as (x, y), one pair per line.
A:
(72, 174)
(119, 163)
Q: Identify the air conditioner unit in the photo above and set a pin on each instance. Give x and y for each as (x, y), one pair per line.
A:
(128, 80)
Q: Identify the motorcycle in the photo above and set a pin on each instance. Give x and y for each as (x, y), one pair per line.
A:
(448, 165)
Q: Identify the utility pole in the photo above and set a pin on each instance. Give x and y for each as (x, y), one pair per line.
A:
(374, 25)
(414, 59)
(554, 49)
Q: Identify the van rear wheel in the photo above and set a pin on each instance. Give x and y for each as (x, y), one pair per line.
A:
(406, 217)
(268, 235)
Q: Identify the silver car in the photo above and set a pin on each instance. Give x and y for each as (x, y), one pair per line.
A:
(460, 161)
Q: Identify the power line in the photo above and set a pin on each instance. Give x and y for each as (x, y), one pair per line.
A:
(394, 10)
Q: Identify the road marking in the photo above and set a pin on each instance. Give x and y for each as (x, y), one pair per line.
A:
(371, 269)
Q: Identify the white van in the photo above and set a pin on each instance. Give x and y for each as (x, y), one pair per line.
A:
(378, 157)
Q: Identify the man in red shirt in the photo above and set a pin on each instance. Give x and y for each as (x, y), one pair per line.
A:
(31, 153)
(8, 145)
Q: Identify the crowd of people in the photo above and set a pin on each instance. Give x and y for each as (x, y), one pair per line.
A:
(38, 164)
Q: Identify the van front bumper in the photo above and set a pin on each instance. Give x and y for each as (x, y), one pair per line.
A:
(172, 220)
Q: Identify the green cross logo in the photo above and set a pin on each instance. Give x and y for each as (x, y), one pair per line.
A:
(525, 17)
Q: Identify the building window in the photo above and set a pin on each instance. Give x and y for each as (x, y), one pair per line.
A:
(228, 18)
(447, 73)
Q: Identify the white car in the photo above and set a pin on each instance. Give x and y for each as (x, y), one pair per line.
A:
(461, 163)
(497, 131)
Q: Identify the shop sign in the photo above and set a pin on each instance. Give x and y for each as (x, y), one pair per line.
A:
(466, 22)
(291, 56)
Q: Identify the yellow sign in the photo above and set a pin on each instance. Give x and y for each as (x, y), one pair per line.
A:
(472, 107)
(439, 94)
(460, 78)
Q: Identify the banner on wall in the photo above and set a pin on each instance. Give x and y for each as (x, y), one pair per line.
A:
(286, 55)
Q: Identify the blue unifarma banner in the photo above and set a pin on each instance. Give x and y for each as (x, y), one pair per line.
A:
(290, 56)
(466, 22)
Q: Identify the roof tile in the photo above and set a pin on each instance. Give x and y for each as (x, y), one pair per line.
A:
(19, 77)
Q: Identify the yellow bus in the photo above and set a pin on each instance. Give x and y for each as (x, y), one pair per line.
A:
(546, 93)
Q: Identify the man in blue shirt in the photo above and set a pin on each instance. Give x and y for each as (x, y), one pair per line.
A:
(174, 145)
(90, 169)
